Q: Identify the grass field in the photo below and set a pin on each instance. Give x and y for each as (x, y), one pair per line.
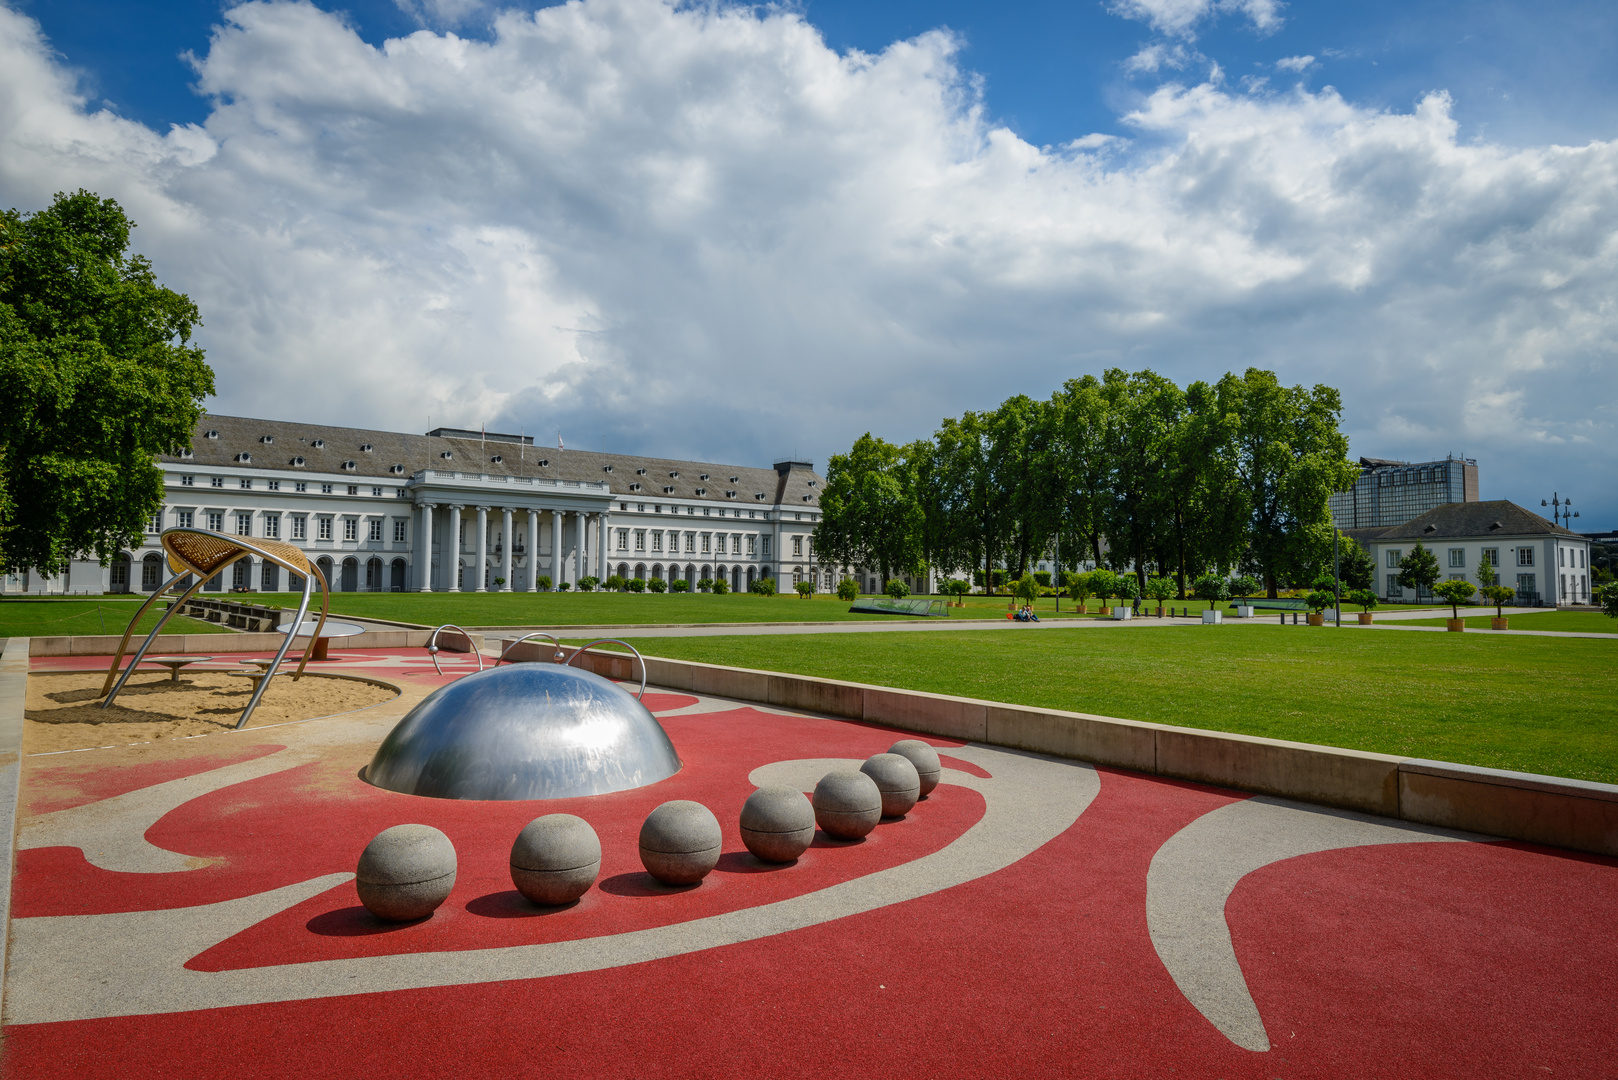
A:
(54, 618)
(1570, 622)
(1542, 705)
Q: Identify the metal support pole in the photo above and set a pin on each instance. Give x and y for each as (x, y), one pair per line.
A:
(1337, 575)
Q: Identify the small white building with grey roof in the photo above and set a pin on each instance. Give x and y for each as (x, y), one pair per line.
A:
(1544, 562)
(458, 510)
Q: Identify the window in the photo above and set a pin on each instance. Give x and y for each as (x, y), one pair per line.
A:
(640, 539)
(244, 524)
(1457, 557)
(752, 545)
(1563, 593)
(375, 531)
(300, 528)
(272, 526)
(765, 540)
(657, 541)
(247, 483)
(691, 543)
(351, 528)
(1457, 577)
(188, 481)
(1526, 587)
(1561, 558)
(216, 520)
(325, 489)
(300, 486)
(325, 528)
(797, 547)
(398, 530)
(1493, 555)
(623, 539)
(156, 524)
(1395, 589)
(273, 485)
(376, 492)
(218, 481)
(706, 540)
(185, 519)
(1525, 556)
(735, 543)
(1394, 555)
(353, 489)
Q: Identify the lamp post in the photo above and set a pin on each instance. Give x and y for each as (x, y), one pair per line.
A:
(1562, 510)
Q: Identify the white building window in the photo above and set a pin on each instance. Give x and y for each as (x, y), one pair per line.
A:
(705, 542)
(1493, 555)
(300, 528)
(398, 530)
(765, 542)
(300, 486)
(325, 489)
(247, 483)
(1394, 555)
(797, 547)
(640, 539)
(1395, 589)
(691, 543)
(244, 524)
(1457, 558)
(1525, 556)
(187, 481)
(657, 541)
(216, 520)
(376, 493)
(325, 529)
(185, 519)
(736, 543)
(375, 531)
(351, 528)
(623, 539)
(272, 526)
(156, 524)
(1561, 560)
(218, 481)
(273, 485)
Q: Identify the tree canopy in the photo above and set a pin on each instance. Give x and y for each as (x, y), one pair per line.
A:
(97, 376)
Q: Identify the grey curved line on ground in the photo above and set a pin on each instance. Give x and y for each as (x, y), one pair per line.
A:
(1194, 873)
(77, 967)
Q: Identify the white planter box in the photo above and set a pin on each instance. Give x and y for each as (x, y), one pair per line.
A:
(1213, 615)
(1243, 611)
(1122, 613)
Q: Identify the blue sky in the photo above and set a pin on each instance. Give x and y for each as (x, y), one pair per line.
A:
(714, 233)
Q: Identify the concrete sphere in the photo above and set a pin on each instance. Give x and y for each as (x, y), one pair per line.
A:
(555, 859)
(847, 804)
(405, 872)
(924, 758)
(679, 842)
(898, 781)
(778, 824)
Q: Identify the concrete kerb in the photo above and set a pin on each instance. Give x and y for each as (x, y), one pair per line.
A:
(1549, 810)
(13, 704)
(177, 644)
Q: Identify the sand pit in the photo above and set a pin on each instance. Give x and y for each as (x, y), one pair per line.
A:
(64, 709)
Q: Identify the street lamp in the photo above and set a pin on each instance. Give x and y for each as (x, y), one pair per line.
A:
(1562, 510)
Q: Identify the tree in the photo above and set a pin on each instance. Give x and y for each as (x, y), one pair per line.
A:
(1355, 565)
(869, 515)
(1498, 595)
(958, 588)
(1212, 588)
(1244, 586)
(848, 589)
(1160, 589)
(1454, 593)
(1607, 597)
(763, 586)
(1104, 583)
(1207, 507)
(1143, 413)
(1025, 589)
(97, 376)
(1289, 457)
(1079, 460)
(1418, 570)
(1365, 598)
(1486, 574)
(805, 589)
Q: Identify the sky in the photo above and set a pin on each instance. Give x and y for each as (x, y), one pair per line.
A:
(746, 233)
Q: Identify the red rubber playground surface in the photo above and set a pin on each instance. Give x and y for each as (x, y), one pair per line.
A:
(187, 910)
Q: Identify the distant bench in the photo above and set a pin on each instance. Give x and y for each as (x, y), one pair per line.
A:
(1280, 604)
(887, 605)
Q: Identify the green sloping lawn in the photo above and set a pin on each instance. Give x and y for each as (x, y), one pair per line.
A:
(1567, 622)
(57, 618)
(1543, 705)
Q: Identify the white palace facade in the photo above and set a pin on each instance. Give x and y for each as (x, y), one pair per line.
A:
(457, 510)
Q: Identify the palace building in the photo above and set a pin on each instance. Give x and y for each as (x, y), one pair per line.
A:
(457, 510)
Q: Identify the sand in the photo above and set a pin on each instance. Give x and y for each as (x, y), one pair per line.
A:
(63, 711)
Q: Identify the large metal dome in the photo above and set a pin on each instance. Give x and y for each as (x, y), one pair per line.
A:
(525, 731)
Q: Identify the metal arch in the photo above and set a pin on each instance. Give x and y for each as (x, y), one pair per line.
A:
(233, 549)
(615, 641)
(529, 637)
(432, 646)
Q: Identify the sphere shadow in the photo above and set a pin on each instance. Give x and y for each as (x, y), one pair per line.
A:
(355, 921)
(512, 904)
(745, 862)
(639, 884)
(824, 839)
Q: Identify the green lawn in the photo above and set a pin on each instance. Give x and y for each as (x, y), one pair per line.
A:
(1571, 622)
(55, 618)
(1541, 705)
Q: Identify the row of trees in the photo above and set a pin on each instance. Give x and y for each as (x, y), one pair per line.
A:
(1125, 471)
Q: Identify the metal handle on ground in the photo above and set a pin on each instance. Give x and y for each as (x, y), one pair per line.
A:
(529, 637)
(432, 646)
(615, 641)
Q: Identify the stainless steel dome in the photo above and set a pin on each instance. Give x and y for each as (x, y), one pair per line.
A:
(526, 731)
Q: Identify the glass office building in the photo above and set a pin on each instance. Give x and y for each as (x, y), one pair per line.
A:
(1392, 492)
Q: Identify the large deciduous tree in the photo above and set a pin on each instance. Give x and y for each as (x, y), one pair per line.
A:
(869, 514)
(97, 376)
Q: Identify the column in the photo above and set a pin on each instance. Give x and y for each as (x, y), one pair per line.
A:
(505, 549)
(578, 548)
(482, 546)
(556, 548)
(533, 550)
(601, 545)
(423, 555)
(452, 550)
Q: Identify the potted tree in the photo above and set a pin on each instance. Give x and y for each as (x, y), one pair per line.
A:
(1080, 587)
(1104, 584)
(1489, 586)
(1366, 599)
(1317, 602)
(1160, 589)
(1212, 588)
(958, 588)
(1127, 590)
(1455, 593)
(1418, 570)
(1244, 586)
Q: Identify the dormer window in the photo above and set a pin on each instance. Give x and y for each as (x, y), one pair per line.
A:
(497, 459)
(730, 494)
(758, 495)
(185, 453)
(544, 463)
(446, 454)
(702, 491)
(606, 468)
(634, 487)
(397, 470)
(210, 434)
(640, 472)
(366, 448)
(806, 498)
(812, 483)
(704, 476)
(675, 475)
(1428, 529)
(244, 457)
(349, 466)
(297, 463)
(733, 479)
(319, 444)
(668, 491)
(267, 440)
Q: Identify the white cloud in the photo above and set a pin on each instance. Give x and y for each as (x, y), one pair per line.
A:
(1180, 17)
(698, 231)
(1299, 64)
(1153, 58)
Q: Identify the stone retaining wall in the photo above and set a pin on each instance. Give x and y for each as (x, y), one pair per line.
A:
(176, 644)
(1518, 806)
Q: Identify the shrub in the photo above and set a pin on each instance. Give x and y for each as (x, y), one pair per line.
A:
(615, 584)
(764, 586)
(1079, 586)
(680, 585)
(563, 587)
(957, 587)
(657, 584)
(1320, 600)
(1244, 586)
(1160, 589)
(1607, 597)
(1043, 577)
(1365, 598)
(1454, 593)
(705, 585)
(1025, 589)
(848, 589)
(544, 583)
(1104, 583)
(806, 589)
(499, 581)
(1211, 587)
(636, 584)
(896, 589)
(1127, 587)
(720, 586)
(588, 584)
